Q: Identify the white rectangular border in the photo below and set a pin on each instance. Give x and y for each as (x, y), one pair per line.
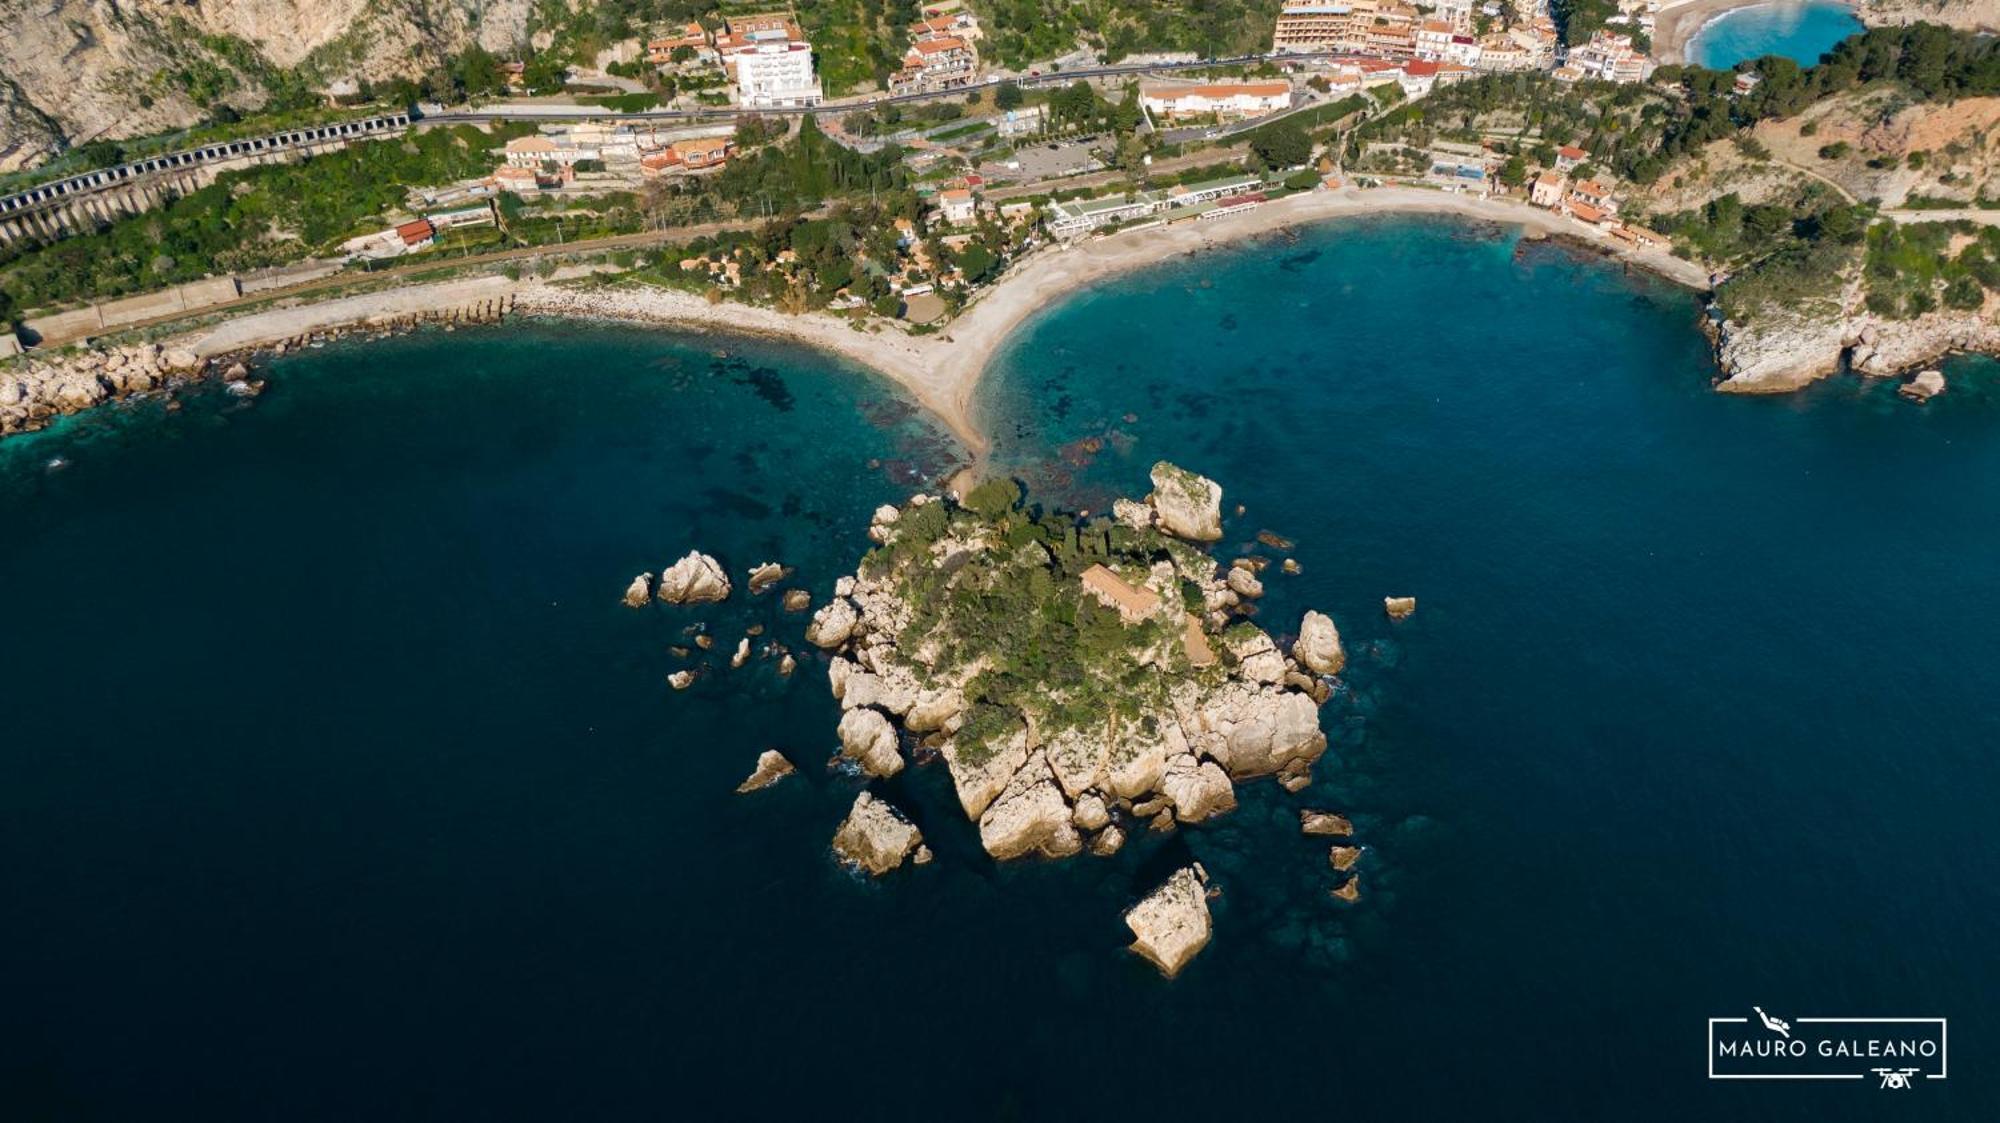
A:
(1944, 1049)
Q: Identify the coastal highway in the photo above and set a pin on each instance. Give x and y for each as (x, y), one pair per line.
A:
(457, 115)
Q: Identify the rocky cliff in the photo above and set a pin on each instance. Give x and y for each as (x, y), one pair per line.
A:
(81, 70)
(1968, 15)
(1784, 351)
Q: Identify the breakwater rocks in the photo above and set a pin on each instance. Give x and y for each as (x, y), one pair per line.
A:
(35, 389)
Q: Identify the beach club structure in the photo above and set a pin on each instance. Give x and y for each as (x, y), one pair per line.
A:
(1081, 216)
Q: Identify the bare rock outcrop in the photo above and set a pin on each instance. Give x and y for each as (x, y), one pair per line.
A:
(875, 836)
(639, 591)
(1199, 789)
(1399, 608)
(695, 579)
(833, 625)
(765, 575)
(771, 768)
(1186, 505)
(1318, 646)
(1030, 815)
(869, 740)
(1171, 925)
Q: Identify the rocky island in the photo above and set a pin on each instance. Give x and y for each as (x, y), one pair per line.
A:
(1078, 677)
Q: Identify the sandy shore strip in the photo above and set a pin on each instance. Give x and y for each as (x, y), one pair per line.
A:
(940, 371)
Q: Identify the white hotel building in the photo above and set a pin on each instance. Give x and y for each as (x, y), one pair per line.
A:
(776, 75)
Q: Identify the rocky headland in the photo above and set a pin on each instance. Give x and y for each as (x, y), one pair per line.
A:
(1781, 351)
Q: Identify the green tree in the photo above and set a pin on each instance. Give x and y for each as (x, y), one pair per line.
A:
(1282, 145)
(1008, 96)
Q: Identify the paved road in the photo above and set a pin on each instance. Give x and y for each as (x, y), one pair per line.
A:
(469, 114)
(1920, 214)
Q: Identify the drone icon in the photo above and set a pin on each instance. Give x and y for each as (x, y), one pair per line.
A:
(1897, 1078)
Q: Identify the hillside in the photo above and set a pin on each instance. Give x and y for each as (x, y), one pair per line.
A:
(1966, 15)
(82, 70)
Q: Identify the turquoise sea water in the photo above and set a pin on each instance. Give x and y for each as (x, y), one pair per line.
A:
(338, 784)
(1802, 31)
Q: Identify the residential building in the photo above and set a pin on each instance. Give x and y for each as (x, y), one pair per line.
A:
(1568, 157)
(1311, 26)
(1223, 99)
(1433, 37)
(958, 206)
(534, 151)
(693, 37)
(1591, 193)
(1547, 190)
(936, 64)
(1611, 58)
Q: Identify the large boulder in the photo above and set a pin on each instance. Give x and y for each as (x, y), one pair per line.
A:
(1399, 608)
(639, 591)
(833, 624)
(1138, 758)
(695, 579)
(875, 836)
(1199, 789)
(763, 576)
(1171, 924)
(1251, 730)
(868, 738)
(771, 768)
(1187, 505)
(1031, 815)
(1318, 646)
(980, 773)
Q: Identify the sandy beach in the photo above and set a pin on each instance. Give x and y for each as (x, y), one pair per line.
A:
(940, 371)
(1676, 23)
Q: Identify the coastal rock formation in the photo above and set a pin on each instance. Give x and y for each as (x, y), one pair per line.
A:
(1186, 505)
(762, 577)
(1171, 925)
(1325, 824)
(1926, 385)
(797, 600)
(833, 625)
(639, 591)
(742, 653)
(875, 836)
(1343, 858)
(868, 738)
(1055, 664)
(771, 768)
(1030, 815)
(695, 579)
(1399, 608)
(1785, 349)
(1318, 646)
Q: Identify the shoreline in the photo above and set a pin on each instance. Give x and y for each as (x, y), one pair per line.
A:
(1675, 26)
(941, 372)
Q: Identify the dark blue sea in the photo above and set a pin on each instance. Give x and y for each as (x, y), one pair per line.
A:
(1800, 30)
(339, 785)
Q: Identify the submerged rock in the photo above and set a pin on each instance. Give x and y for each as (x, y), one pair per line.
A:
(771, 768)
(1318, 645)
(1325, 824)
(1171, 924)
(875, 836)
(695, 579)
(1186, 505)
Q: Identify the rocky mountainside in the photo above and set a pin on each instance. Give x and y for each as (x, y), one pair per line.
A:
(1968, 15)
(73, 71)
